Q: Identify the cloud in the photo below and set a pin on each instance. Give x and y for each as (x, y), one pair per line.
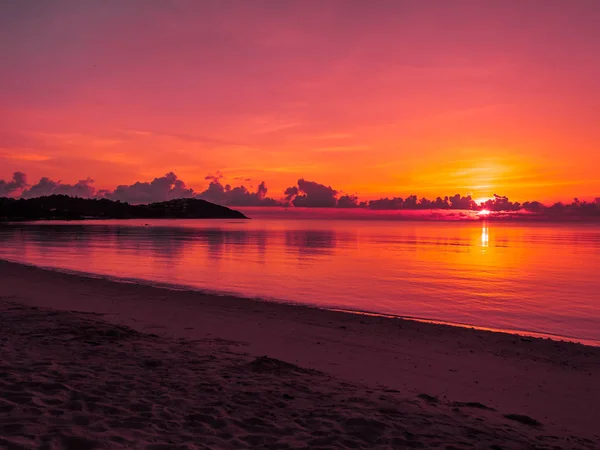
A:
(458, 202)
(348, 201)
(46, 186)
(386, 203)
(237, 196)
(160, 189)
(17, 184)
(83, 188)
(307, 194)
(310, 194)
(216, 177)
(291, 193)
(170, 187)
(500, 203)
(412, 202)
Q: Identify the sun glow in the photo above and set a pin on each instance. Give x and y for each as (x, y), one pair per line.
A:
(484, 212)
(481, 200)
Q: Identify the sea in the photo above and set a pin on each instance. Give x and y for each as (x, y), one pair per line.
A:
(539, 279)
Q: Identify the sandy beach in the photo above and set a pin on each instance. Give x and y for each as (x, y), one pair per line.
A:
(91, 363)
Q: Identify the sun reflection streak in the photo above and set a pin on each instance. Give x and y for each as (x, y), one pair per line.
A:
(485, 237)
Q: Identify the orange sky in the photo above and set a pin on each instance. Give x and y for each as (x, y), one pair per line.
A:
(374, 98)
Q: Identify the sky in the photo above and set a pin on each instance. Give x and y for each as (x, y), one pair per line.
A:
(374, 98)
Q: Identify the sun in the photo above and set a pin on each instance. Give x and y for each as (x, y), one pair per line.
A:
(484, 212)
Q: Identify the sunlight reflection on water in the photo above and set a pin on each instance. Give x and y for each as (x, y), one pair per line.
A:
(511, 276)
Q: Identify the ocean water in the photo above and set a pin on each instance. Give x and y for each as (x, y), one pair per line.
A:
(532, 278)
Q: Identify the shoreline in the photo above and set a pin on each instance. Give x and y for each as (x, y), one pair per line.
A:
(187, 288)
(552, 382)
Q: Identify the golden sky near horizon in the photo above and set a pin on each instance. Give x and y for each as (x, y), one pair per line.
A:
(373, 98)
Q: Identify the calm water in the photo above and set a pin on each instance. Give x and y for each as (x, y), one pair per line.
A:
(523, 277)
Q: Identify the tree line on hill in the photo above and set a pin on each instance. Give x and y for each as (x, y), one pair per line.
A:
(64, 207)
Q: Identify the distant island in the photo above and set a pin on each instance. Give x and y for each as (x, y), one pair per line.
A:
(63, 207)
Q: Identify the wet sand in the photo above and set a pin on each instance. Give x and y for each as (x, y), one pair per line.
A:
(91, 363)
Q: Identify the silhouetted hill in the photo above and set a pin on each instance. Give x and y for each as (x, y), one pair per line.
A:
(63, 207)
